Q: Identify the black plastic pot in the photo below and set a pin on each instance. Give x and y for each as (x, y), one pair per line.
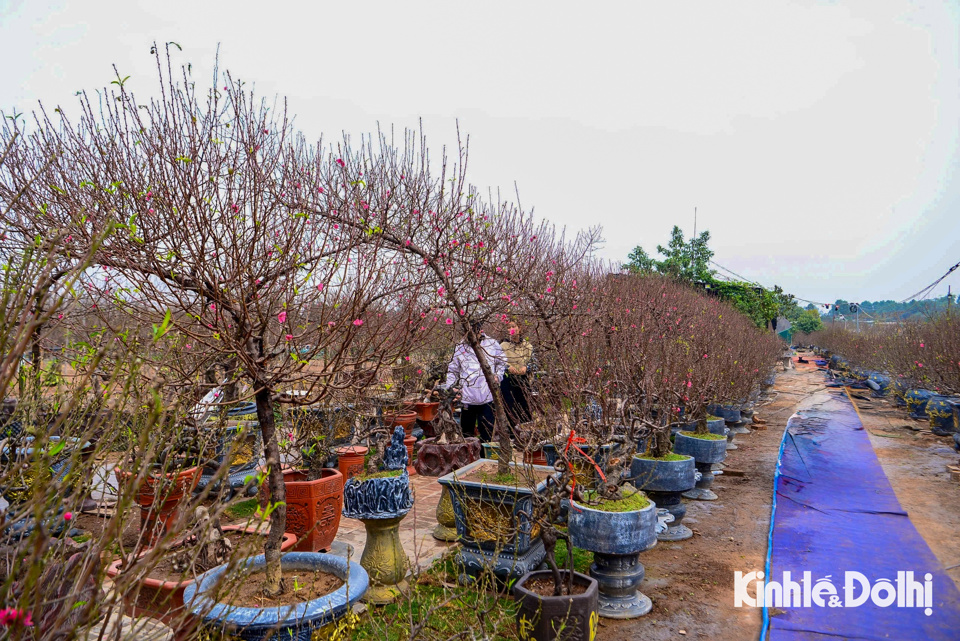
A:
(940, 409)
(917, 402)
(540, 617)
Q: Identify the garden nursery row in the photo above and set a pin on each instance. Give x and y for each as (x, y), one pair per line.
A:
(223, 343)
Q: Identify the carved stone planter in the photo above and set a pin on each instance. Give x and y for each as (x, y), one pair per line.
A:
(380, 504)
(664, 482)
(436, 459)
(705, 452)
(493, 522)
(616, 540)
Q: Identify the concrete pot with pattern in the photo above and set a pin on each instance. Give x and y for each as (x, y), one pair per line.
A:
(616, 540)
(493, 520)
(706, 449)
(665, 482)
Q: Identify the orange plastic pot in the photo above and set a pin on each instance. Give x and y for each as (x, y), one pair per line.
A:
(404, 419)
(350, 460)
(409, 442)
(160, 498)
(426, 412)
(313, 508)
(164, 599)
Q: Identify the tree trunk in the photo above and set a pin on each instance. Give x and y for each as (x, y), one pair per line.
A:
(278, 517)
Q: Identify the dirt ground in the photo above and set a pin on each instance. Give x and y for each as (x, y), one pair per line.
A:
(691, 582)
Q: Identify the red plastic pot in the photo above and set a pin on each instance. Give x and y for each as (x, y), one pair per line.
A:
(157, 513)
(350, 460)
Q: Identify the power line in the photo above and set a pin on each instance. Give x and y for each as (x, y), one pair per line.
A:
(926, 291)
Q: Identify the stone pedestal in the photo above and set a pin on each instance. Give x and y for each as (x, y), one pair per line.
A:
(618, 577)
(384, 560)
(672, 503)
(702, 491)
(446, 529)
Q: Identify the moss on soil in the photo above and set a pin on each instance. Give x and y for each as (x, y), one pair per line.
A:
(629, 503)
(711, 417)
(243, 509)
(705, 437)
(672, 456)
(386, 474)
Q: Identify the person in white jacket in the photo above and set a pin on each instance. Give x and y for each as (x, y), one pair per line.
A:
(463, 372)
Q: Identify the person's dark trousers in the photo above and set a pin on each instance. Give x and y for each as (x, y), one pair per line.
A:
(514, 390)
(477, 420)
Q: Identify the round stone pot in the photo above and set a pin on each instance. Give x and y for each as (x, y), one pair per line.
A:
(616, 540)
(291, 623)
(729, 413)
(705, 452)
(899, 388)
(940, 411)
(540, 617)
(665, 482)
(882, 382)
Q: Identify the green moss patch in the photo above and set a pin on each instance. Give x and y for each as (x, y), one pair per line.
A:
(672, 456)
(631, 502)
(243, 509)
(386, 474)
(711, 417)
(705, 437)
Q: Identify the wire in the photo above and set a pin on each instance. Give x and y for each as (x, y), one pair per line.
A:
(753, 282)
(926, 291)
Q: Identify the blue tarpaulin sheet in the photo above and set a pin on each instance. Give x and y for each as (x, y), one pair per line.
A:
(836, 513)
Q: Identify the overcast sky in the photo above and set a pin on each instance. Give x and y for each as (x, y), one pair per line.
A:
(818, 140)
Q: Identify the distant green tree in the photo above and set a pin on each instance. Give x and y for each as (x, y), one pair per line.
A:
(684, 260)
(688, 260)
(807, 321)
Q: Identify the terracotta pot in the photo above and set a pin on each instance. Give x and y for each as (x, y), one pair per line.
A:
(158, 513)
(426, 412)
(164, 599)
(313, 508)
(404, 419)
(409, 442)
(536, 457)
(350, 460)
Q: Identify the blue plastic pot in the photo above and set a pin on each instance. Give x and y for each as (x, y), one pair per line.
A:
(286, 623)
